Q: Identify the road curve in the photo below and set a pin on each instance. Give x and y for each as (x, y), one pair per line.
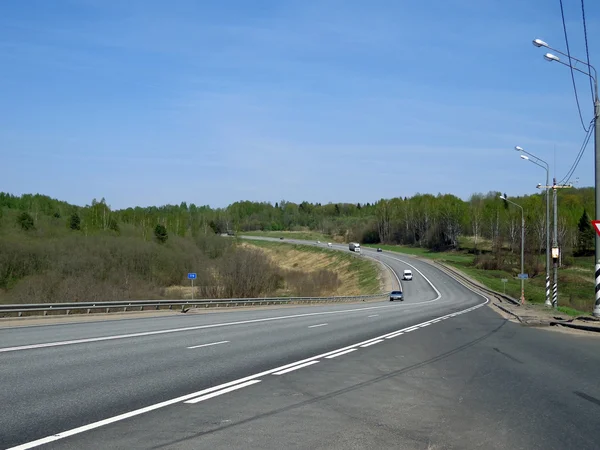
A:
(436, 371)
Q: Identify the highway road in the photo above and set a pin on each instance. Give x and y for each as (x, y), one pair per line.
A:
(440, 370)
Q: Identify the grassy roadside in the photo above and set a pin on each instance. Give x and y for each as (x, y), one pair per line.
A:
(575, 282)
(301, 235)
(358, 276)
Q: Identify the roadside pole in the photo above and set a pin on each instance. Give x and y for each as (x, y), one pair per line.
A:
(192, 277)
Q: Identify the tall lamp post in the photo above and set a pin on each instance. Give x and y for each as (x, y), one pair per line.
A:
(594, 76)
(503, 197)
(544, 165)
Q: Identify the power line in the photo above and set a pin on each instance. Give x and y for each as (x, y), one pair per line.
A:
(586, 140)
(562, 13)
(587, 50)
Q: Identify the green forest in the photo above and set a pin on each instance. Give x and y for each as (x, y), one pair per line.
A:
(51, 250)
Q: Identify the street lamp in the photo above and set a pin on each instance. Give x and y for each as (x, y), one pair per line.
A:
(553, 58)
(521, 275)
(544, 165)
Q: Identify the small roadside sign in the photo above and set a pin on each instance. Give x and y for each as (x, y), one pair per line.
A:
(192, 277)
(523, 276)
(504, 280)
(596, 224)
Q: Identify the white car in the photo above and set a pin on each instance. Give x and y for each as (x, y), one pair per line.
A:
(329, 244)
(407, 275)
(318, 242)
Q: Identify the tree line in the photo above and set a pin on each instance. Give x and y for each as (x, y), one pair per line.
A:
(424, 220)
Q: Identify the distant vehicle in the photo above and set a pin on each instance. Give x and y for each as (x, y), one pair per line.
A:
(407, 275)
(281, 238)
(329, 244)
(396, 295)
(379, 249)
(354, 247)
(318, 242)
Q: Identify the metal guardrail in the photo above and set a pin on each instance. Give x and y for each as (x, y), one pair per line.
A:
(19, 309)
(456, 274)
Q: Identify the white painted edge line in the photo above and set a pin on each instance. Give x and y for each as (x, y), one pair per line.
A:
(137, 412)
(372, 343)
(341, 353)
(439, 294)
(222, 391)
(318, 325)
(373, 315)
(395, 335)
(300, 366)
(178, 330)
(208, 345)
(391, 270)
(425, 325)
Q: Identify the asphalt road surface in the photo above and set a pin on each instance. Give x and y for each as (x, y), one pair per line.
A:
(440, 370)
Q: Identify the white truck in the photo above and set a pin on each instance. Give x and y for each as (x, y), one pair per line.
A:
(354, 247)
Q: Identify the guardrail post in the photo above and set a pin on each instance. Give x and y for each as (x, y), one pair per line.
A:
(68, 311)
(107, 310)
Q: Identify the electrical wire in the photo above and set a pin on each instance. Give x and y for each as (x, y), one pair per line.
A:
(562, 13)
(587, 50)
(571, 171)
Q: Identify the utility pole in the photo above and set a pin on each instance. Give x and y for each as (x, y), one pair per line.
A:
(555, 249)
(597, 192)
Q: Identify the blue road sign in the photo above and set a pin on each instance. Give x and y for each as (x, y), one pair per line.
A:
(523, 275)
(191, 276)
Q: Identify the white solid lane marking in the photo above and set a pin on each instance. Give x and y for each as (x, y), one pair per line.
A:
(222, 391)
(137, 412)
(318, 325)
(373, 315)
(178, 330)
(408, 330)
(395, 335)
(372, 343)
(439, 294)
(340, 353)
(299, 366)
(424, 325)
(208, 345)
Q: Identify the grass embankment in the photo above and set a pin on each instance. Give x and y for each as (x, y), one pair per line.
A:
(575, 281)
(356, 276)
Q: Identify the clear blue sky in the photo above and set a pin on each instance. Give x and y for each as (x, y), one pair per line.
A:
(210, 102)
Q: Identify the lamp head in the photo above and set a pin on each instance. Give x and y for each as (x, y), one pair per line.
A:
(550, 57)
